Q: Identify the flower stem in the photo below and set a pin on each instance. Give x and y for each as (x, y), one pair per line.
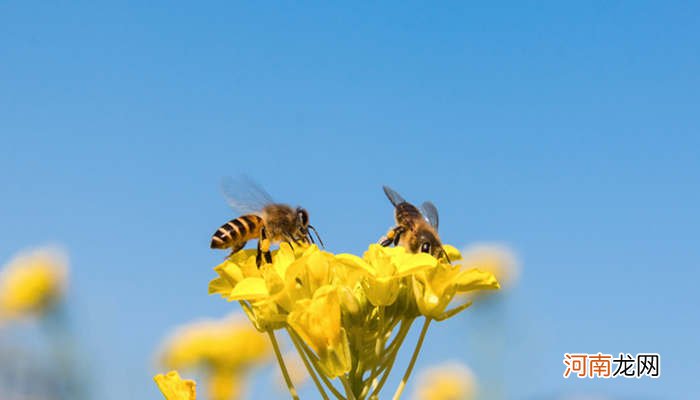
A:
(308, 366)
(313, 359)
(407, 375)
(283, 367)
(388, 363)
(348, 388)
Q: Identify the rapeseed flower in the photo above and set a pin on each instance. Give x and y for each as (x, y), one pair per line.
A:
(32, 283)
(175, 388)
(224, 350)
(347, 316)
(497, 259)
(448, 381)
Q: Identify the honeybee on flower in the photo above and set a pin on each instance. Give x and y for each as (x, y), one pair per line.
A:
(263, 219)
(348, 316)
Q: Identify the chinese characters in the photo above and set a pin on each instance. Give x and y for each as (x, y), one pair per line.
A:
(608, 366)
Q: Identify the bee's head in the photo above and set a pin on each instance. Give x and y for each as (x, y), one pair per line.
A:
(302, 217)
(304, 226)
(429, 243)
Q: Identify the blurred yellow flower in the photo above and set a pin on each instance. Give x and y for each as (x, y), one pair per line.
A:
(224, 384)
(449, 381)
(494, 258)
(32, 283)
(228, 343)
(225, 350)
(297, 371)
(175, 388)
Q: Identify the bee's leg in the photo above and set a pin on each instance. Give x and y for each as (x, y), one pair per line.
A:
(391, 237)
(258, 255)
(263, 249)
(397, 237)
(306, 238)
(290, 240)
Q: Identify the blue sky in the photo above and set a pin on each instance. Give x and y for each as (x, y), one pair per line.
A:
(568, 132)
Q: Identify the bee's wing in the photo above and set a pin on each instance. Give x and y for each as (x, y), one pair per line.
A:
(244, 195)
(430, 213)
(393, 197)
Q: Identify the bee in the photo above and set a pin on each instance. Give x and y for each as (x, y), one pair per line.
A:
(262, 219)
(415, 230)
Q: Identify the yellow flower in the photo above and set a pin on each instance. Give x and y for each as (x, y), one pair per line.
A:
(317, 321)
(32, 283)
(270, 292)
(384, 267)
(224, 384)
(449, 381)
(496, 259)
(230, 343)
(236, 269)
(174, 388)
(434, 289)
(225, 350)
(267, 303)
(347, 316)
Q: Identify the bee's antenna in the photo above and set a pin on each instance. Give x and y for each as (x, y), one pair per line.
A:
(445, 253)
(309, 237)
(317, 235)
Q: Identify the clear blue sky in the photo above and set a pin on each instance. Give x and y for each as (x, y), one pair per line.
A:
(568, 131)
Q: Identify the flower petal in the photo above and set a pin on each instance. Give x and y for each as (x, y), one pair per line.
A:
(249, 289)
(353, 261)
(475, 279)
(220, 286)
(407, 263)
(175, 388)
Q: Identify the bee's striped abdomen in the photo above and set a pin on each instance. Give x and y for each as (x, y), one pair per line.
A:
(236, 232)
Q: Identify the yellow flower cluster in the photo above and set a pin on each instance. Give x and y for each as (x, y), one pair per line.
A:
(346, 315)
(32, 283)
(224, 349)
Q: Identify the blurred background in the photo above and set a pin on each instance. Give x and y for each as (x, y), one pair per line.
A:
(566, 133)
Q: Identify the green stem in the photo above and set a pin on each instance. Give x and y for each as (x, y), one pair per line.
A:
(313, 359)
(308, 366)
(407, 374)
(348, 388)
(283, 367)
(388, 364)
